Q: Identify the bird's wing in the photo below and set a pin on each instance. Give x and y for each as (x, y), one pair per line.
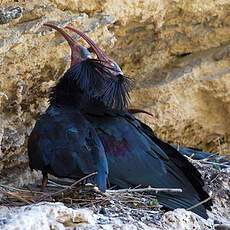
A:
(136, 157)
(64, 144)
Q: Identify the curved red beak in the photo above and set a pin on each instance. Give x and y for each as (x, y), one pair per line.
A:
(100, 54)
(76, 48)
(80, 53)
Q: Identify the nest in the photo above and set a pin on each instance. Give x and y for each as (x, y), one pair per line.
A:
(77, 195)
(135, 201)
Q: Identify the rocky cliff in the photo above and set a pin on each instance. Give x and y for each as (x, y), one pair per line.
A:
(176, 51)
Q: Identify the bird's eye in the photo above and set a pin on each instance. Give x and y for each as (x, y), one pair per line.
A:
(112, 64)
(115, 66)
(85, 53)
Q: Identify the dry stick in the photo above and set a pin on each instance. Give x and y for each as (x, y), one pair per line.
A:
(149, 189)
(18, 197)
(54, 184)
(205, 161)
(207, 199)
(200, 203)
(138, 186)
(214, 163)
(69, 187)
(16, 189)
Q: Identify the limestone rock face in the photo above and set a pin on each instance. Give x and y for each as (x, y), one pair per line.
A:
(180, 219)
(176, 51)
(45, 216)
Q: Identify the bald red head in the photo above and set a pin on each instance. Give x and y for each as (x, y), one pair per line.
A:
(80, 53)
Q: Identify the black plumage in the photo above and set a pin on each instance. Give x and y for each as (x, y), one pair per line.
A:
(137, 157)
(89, 105)
(63, 143)
(92, 79)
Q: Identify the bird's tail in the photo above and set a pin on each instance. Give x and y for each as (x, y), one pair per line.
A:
(182, 201)
(210, 158)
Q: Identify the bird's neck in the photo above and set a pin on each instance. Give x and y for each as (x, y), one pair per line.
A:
(66, 93)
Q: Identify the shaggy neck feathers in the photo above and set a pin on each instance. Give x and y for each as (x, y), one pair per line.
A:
(91, 80)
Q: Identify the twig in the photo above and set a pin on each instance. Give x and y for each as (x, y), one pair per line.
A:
(54, 184)
(200, 203)
(207, 162)
(113, 187)
(214, 163)
(148, 189)
(69, 187)
(138, 186)
(16, 189)
(18, 197)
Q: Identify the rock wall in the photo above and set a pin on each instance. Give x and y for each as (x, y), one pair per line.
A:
(45, 216)
(176, 51)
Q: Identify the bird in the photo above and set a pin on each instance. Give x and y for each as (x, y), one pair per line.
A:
(63, 143)
(134, 154)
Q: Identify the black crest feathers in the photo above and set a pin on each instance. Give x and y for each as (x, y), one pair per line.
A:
(96, 81)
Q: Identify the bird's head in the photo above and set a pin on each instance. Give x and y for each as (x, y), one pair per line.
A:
(99, 78)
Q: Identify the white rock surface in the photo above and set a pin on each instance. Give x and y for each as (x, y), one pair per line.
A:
(46, 216)
(180, 219)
